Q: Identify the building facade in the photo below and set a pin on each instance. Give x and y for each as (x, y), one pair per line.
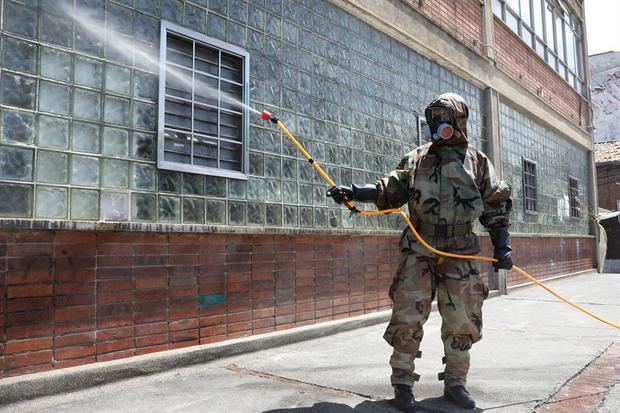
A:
(145, 207)
(608, 186)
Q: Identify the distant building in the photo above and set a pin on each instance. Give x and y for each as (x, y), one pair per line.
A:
(605, 72)
(141, 211)
(608, 182)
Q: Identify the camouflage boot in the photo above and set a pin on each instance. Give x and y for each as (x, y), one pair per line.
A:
(459, 396)
(403, 398)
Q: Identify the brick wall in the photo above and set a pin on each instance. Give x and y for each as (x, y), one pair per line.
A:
(608, 181)
(462, 19)
(522, 64)
(72, 298)
(608, 185)
(549, 257)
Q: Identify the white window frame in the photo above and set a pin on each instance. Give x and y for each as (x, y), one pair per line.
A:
(575, 77)
(167, 27)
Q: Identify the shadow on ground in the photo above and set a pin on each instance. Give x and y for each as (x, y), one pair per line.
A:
(431, 405)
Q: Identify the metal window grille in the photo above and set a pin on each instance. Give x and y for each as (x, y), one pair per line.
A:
(530, 194)
(573, 195)
(202, 118)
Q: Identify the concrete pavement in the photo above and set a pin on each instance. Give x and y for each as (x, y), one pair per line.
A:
(537, 354)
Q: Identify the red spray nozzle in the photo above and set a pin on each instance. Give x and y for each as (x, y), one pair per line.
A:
(267, 116)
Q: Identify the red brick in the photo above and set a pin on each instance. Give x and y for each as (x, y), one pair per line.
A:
(61, 301)
(115, 355)
(26, 250)
(65, 353)
(28, 318)
(151, 328)
(150, 260)
(183, 324)
(28, 370)
(115, 333)
(115, 345)
(28, 359)
(212, 320)
(185, 335)
(28, 345)
(182, 314)
(31, 236)
(141, 318)
(74, 313)
(74, 326)
(213, 339)
(213, 331)
(114, 321)
(147, 341)
(183, 344)
(75, 250)
(25, 304)
(263, 323)
(115, 297)
(74, 362)
(151, 349)
(76, 237)
(242, 326)
(74, 288)
(33, 290)
(74, 339)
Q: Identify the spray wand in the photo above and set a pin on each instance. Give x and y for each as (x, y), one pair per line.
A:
(264, 115)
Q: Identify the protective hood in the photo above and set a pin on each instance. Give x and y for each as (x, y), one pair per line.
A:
(459, 112)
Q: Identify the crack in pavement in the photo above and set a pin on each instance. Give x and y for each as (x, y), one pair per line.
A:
(547, 400)
(512, 404)
(241, 370)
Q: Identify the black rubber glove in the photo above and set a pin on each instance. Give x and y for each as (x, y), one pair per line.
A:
(500, 238)
(364, 193)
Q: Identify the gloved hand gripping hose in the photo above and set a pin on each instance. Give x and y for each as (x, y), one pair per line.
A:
(267, 116)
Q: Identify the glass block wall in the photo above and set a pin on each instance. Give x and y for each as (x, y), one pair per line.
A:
(79, 115)
(557, 160)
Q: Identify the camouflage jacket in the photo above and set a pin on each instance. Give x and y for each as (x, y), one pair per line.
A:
(449, 185)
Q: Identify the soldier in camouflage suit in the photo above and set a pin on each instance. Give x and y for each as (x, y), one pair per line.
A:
(447, 185)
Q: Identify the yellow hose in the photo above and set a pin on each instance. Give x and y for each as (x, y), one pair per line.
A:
(424, 243)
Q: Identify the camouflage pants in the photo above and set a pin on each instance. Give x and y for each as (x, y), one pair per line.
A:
(460, 292)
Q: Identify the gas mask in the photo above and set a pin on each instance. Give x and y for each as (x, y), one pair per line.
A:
(439, 127)
(437, 131)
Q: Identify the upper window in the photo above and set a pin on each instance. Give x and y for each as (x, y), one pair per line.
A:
(573, 195)
(551, 30)
(202, 117)
(529, 186)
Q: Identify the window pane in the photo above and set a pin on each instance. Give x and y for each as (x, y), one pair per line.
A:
(497, 8)
(527, 35)
(179, 83)
(514, 4)
(178, 115)
(559, 36)
(230, 126)
(512, 21)
(570, 49)
(231, 96)
(537, 16)
(232, 68)
(205, 89)
(549, 31)
(207, 59)
(177, 147)
(525, 11)
(205, 151)
(179, 51)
